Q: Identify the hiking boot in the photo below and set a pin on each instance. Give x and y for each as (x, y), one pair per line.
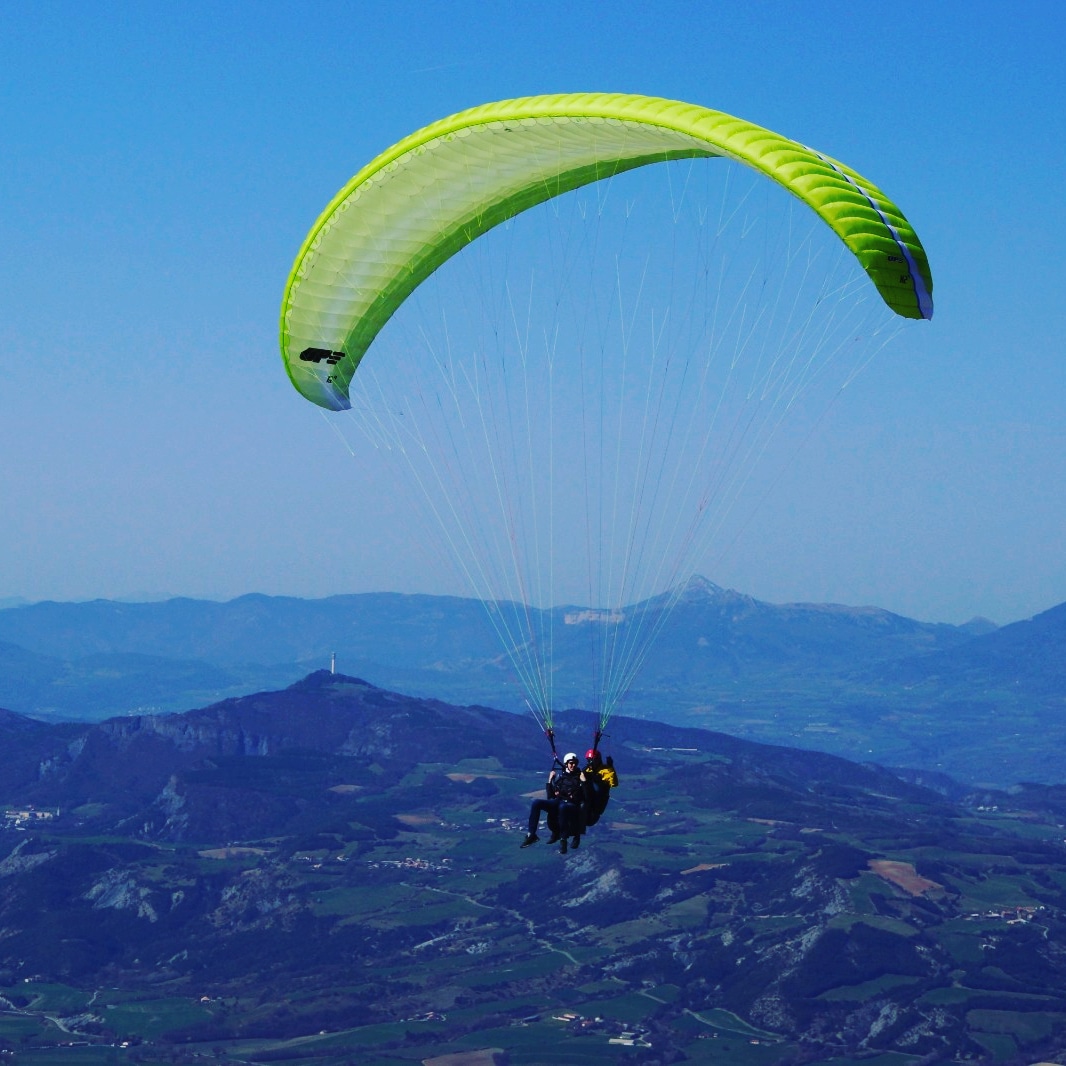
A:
(562, 847)
(576, 842)
(531, 839)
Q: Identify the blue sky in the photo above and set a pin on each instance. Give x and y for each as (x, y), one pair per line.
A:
(160, 165)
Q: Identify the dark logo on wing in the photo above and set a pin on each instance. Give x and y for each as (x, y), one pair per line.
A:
(321, 355)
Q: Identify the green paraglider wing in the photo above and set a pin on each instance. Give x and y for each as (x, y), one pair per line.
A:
(420, 202)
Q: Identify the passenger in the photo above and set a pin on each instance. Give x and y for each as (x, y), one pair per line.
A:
(570, 788)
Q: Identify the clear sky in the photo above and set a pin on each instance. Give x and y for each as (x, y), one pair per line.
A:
(161, 164)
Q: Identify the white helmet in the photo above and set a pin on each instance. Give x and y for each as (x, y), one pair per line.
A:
(568, 756)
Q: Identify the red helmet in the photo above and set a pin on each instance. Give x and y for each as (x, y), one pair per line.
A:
(591, 754)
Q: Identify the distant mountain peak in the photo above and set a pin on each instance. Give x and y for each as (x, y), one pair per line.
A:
(698, 585)
(700, 590)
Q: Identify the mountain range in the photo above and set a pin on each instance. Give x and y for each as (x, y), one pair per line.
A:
(981, 703)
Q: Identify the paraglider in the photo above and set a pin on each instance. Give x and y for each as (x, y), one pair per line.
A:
(575, 799)
(563, 805)
(418, 203)
(584, 418)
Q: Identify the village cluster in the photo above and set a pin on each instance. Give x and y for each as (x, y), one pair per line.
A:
(23, 817)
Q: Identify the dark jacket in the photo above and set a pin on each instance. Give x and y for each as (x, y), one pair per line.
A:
(569, 787)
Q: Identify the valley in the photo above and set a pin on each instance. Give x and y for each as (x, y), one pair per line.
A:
(363, 898)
